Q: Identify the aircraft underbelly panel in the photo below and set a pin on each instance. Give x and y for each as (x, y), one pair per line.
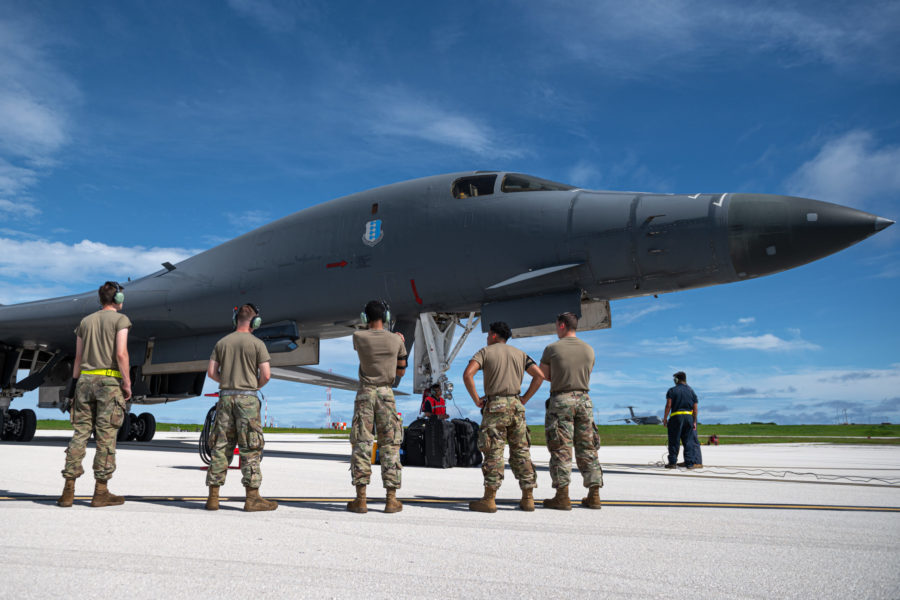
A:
(191, 354)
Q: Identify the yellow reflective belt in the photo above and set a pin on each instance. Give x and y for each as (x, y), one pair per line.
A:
(107, 372)
(682, 412)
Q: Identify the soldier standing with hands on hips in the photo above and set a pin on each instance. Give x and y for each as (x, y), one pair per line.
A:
(240, 365)
(382, 358)
(503, 413)
(569, 419)
(101, 385)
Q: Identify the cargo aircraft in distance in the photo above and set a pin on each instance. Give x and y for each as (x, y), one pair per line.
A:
(442, 251)
(640, 420)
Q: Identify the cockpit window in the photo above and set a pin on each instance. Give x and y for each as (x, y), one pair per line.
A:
(476, 185)
(514, 182)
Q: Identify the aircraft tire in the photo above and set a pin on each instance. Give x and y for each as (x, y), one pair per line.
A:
(137, 427)
(29, 425)
(9, 431)
(125, 429)
(148, 423)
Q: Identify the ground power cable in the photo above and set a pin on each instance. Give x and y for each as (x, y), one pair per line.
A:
(773, 473)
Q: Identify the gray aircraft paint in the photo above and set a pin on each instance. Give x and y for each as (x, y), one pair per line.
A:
(525, 255)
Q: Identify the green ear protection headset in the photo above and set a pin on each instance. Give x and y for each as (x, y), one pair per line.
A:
(387, 314)
(119, 297)
(255, 322)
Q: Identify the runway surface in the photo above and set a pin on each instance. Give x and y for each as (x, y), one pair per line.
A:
(760, 521)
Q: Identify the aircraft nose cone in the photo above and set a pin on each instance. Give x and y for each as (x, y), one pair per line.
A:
(768, 234)
(881, 223)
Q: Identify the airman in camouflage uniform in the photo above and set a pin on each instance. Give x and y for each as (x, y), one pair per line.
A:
(375, 410)
(237, 420)
(102, 386)
(240, 364)
(503, 415)
(382, 357)
(569, 420)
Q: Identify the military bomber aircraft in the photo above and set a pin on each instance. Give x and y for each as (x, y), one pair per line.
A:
(443, 251)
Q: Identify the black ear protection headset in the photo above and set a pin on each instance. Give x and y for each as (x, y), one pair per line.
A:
(255, 322)
(387, 314)
(119, 297)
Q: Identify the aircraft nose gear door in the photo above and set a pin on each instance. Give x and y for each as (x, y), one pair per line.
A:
(432, 353)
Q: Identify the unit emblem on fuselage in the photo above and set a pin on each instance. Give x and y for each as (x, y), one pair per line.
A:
(373, 233)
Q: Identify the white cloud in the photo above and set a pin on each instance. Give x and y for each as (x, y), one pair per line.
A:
(18, 209)
(35, 100)
(827, 384)
(29, 126)
(14, 179)
(397, 112)
(619, 379)
(73, 264)
(585, 175)
(632, 316)
(19, 292)
(851, 169)
(766, 343)
(249, 219)
(672, 346)
(746, 320)
(631, 40)
(279, 16)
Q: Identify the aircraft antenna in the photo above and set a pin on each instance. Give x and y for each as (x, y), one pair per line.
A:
(328, 406)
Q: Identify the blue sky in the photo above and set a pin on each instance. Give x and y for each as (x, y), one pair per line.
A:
(133, 133)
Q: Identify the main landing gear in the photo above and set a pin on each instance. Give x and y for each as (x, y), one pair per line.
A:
(17, 425)
(137, 428)
(435, 351)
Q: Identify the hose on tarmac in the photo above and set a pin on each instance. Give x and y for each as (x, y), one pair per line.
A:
(205, 450)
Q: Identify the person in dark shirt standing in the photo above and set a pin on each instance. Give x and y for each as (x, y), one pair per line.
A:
(680, 417)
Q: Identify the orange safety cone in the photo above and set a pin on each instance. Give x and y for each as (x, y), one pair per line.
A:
(237, 452)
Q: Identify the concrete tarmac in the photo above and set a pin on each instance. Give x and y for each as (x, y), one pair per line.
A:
(760, 521)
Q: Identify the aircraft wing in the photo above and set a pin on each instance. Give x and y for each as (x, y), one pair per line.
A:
(319, 377)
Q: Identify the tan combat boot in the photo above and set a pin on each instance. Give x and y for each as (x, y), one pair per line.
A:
(255, 503)
(391, 504)
(68, 495)
(593, 498)
(212, 503)
(561, 500)
(102, 497)
(359, 505)
(487, 503)
(527, 501)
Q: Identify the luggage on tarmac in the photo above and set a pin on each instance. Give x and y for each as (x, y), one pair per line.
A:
(440, 443)
(467, 452)
(412, 449)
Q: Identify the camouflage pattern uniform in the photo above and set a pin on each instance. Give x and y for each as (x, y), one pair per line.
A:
(503, 419)
(569, 421)
(375, 410)
(99, 406)
(237, 422)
